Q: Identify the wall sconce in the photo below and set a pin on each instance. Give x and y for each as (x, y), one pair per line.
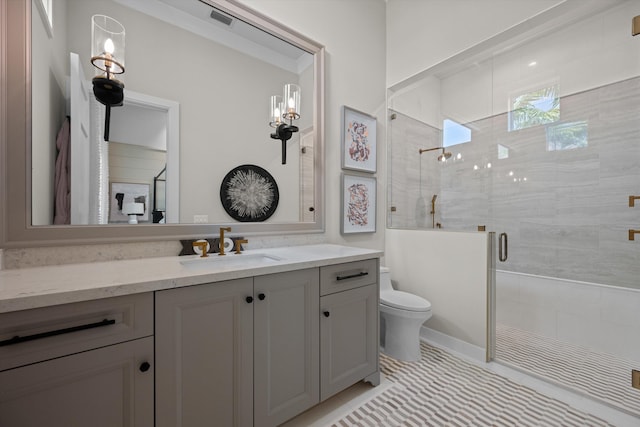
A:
(107, 55)
(285, 107)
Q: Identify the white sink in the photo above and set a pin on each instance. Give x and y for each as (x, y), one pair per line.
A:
(231, 260)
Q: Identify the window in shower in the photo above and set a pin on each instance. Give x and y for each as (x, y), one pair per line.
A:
(503, 152)
(567, 136)
(534, 108)
(454, 133)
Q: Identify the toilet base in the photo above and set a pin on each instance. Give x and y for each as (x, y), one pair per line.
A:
(400, 337)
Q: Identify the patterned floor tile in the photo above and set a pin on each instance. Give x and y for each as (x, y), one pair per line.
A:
(442, 390)
(598, 375)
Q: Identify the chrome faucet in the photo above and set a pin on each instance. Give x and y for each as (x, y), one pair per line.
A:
(221, 243)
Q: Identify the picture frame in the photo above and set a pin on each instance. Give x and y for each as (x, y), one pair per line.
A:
(124, 192)
(358, 139)
(358, 207)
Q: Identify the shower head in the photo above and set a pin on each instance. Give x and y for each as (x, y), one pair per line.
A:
(444, 156)
(433, 199)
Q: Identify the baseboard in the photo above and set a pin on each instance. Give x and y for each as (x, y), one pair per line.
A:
(454, 345)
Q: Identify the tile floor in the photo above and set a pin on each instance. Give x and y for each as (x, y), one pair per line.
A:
(602, 376)
(449, 390)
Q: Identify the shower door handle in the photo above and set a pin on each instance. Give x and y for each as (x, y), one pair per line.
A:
(503, 247)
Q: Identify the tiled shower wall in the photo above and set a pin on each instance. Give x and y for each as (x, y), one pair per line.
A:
(565, 212)
(603, 318)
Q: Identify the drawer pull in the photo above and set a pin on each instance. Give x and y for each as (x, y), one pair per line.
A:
(353, 276)
(326, 314)
(18, 339)
(261, 297)
(144, 366)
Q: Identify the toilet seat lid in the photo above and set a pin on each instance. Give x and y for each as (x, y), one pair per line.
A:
(404, 301)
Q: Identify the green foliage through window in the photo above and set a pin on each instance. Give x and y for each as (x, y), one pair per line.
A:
(538, 107)
(567, 136)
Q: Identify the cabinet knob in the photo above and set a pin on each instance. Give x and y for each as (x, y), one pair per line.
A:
(326, 313)
(249, 300)
(144, 366)
(261, 297)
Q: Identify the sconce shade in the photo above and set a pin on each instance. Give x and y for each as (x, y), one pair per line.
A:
(107, 45)
(291, 99)
(276, 111)
(286, 106)
(107, 55)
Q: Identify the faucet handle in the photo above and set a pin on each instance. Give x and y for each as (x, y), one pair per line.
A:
(221, 244)
(203, 245)
(239, 243)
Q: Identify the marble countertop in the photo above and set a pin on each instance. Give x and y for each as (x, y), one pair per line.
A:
(23, 289)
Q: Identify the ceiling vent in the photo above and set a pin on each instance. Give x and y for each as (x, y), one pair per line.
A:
(224, 19)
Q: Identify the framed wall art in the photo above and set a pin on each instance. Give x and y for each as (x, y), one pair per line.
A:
(249, 193)
(124, 194)
(358, 137)
(358, 204)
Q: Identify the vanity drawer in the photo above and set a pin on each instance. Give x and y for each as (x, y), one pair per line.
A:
(35, 335)
(341, 277)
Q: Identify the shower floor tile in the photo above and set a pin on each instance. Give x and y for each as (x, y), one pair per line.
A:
(598, 375)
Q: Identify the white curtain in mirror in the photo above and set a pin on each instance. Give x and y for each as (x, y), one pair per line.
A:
(99, 160)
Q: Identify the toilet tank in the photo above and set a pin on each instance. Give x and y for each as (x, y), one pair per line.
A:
(385, 279)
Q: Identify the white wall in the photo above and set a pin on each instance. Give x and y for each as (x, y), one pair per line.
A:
(353, 33)
(421, 34)
(449, 269)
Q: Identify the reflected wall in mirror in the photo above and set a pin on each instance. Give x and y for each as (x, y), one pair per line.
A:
(196, 106)
(245, 105)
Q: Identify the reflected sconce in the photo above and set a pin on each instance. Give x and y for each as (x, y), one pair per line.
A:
(283, 108)
(107, 55)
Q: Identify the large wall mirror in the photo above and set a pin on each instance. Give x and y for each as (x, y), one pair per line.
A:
(198, 79)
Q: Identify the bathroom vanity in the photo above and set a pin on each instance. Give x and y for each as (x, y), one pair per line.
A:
(250, 339)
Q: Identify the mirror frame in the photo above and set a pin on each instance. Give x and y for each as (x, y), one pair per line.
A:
(15, 145)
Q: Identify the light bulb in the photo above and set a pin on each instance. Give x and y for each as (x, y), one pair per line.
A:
(276, 113)
(109, 47)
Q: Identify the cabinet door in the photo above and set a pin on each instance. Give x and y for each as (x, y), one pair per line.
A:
(104, 387)
(286, 345)
(348, 338)
(204, 354)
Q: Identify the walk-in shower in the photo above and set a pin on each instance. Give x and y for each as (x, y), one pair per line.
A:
(543, 123)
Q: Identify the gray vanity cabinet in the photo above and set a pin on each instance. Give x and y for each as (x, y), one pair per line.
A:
(348, 326)
(204, 355)
(286, 364)
(238, 353)
(81, 364)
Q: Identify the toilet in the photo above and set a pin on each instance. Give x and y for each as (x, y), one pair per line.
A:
(401, 316)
